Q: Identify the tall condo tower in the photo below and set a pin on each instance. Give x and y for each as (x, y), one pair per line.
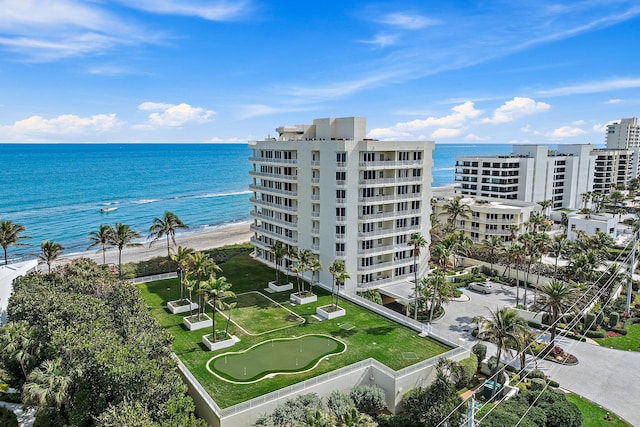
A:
(624, 134)
(328, 188)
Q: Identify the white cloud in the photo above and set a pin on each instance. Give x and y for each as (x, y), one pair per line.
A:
(578, 123)
(209, 10)
(599, 127)
(593, 87)
(461, 114)
(516, 108)
(218, 139)
(566, 132)
(406, 20)
(614, 101)
(48, 30)
(382, 40)
(63, 125)
(387, 134)
(446, 133)
(474, 137)
(173, 115)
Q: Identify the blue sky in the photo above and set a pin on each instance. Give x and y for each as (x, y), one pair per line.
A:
(232, 71)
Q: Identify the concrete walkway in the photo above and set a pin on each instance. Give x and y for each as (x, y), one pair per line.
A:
(608, 377)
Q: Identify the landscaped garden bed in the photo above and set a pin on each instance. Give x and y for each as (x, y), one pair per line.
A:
(195, 322)
(369, 336)
(226, 341)
(275, 287)
(181, 306)
(330, 311)
(305, 298)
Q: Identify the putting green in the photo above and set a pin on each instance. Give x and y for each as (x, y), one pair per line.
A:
(273, 357)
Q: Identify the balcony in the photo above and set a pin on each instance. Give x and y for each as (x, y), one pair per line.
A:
(266, 218)
(263, 189)
(278, 176)
(389, 164)
(277, 206)
(386, 181)
(273, 161)
(376, 250)
(282, 237)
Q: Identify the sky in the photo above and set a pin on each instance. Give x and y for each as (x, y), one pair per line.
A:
(231, 71)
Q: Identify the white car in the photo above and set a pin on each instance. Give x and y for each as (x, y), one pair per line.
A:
(484, 287)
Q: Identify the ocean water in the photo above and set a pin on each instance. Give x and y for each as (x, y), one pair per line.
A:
(57, 190)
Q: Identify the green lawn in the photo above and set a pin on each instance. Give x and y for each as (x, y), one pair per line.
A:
(594, 415)
(631, 341)
(371, 335)
(257, 314)
(275, 356)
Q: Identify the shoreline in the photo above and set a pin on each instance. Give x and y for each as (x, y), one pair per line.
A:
(198, 240)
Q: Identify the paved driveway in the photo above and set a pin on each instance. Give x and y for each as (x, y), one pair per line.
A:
(610, 378)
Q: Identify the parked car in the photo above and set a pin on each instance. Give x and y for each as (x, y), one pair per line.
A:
(484, 287)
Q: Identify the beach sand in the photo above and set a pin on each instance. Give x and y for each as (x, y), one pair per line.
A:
(219, 236)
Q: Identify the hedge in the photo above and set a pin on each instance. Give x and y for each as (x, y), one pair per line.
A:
(596, 334)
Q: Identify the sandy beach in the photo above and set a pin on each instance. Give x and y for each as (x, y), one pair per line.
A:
(219, 236)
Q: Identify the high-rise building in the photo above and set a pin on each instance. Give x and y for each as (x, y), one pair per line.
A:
(623, 134)
(532, 173)
(328, 188)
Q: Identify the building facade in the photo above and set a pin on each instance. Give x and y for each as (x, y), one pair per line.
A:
(328, 188)
(532, 173)
(623, 134)
(614, 168)
(489, 217)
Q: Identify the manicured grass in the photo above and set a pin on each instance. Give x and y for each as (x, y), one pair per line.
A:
(372, 336)
(258, 314)
(593, 415)
(631, 341)
(275, 356)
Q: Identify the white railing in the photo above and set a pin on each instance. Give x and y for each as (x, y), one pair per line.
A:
(153, 278)
(263, 189)
(261, 202)
(254, 159)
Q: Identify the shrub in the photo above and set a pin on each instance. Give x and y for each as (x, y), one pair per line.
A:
(8, 418)
(368, 399)
(537, 373)
(599, 318)
(595, 334)
(589, 320)
(614, 318)
(463, 375)
(480, 350)
(554, 384)
(339, 403)
(371, 295)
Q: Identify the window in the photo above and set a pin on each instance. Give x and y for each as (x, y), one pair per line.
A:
(401, 239)
(341, 194)
(341, 176)
(340, 247)
(368, 157)
(415, 205)
(368, 192)
(416, 188)
(369, 174)
(403, 173)
(415, 220)
(417, 172)
(341, 157)
(417, 155)
(341, 212)
(401, 222)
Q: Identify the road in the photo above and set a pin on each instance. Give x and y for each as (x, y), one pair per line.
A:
(608, 377)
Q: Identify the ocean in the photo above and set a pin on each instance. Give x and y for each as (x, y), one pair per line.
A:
(57, 190)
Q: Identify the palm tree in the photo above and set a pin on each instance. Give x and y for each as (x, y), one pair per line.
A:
(10, 236)
(555, 298)
(201, 266)
(215, 290)
(228, 306)
(525, 339)
(440, 254)
(315, 265)
(122, 236)
(492, 244)
(454, 208)
(182, 260)
(434, 281)
(101, 238)
(166, 227)
(338, 272)
(50, 252)
(557, 247)
(48, 385)
(18, 344)
(616, 197)
(545, 205)
(190, 286)
(417, 241)
(586, 197)
(279, 250)
(501, 328)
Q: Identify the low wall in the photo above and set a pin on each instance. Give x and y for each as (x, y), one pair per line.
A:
(510, 273)
(146, 279)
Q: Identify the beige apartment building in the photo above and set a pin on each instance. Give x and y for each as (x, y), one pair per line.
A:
(328, 188)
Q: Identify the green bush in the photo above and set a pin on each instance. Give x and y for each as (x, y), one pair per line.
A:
(480, 350)
(371, 295)
(465, 370)
(589, 320)
(538, 384)
(595, 334)
(554, 384)
(368, 399)
(620, 331)
(599, 318)
(8, 418)
(614, 318)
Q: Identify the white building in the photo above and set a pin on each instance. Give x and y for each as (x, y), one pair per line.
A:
(328, 188)
(489, 217)
(614, 167)
(532, 173)
(590, 225)
(623, 134)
